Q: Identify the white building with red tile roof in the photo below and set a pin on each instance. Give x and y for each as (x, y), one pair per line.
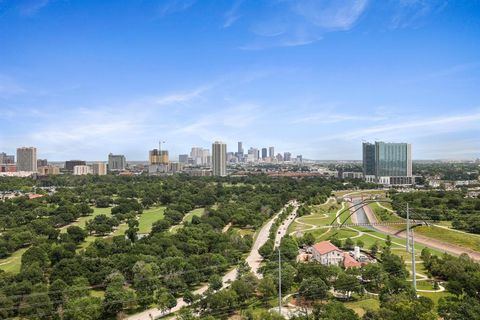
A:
(328, 254)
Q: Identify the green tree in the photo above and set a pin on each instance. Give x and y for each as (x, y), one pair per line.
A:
(333, 311)
(346, 284)
(165, 300)
(312, 289)
(85, 308)
(267, 288)
(215, 282)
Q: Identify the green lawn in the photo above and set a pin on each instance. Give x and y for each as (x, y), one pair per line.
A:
(188, 218)
(81, 222)
(148, 217)
(469, 241)
(362, 306)
(13, 263)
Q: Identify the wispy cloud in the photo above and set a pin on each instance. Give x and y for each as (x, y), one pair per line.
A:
(31, 7)
(416, 127)
(172, 6)
(181, 97)
(325, 118)
(232, 15)
(410, 13)
(303, 22)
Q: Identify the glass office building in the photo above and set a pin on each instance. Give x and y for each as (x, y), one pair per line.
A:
(387, 163)
(393, 159)
(368, 159)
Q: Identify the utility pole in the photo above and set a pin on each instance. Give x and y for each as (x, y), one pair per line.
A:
(408, 228)
(414, 275)
(279, 283)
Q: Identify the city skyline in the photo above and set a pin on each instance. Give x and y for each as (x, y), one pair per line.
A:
(308, 77)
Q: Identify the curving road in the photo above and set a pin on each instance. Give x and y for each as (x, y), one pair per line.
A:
(254, 260)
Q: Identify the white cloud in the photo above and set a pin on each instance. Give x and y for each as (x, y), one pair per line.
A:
(181, 97)
(232, 15)
(173, 6)
(416, 127)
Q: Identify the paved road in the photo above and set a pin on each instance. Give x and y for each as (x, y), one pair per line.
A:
(282, 229)
(254, 260)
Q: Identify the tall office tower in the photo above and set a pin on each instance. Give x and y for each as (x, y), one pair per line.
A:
(158, 157)
(6, 159)
(240, 148)
(368, 159)
(254, 153)
(27, 159)
(264, 153)
(219, 159)
(271, 152)
(99, 169)
(70, 164)
(299, 158)
(393, 159)
(42, 163)
(287, 156)
(116, 162)
(279, 157)
(183, 158)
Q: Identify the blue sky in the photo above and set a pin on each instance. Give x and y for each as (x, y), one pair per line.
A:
(82, 78)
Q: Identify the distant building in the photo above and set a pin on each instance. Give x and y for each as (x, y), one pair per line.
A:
(200, 156)
(287, 156)
(255, 153)
(219, 159)
(271, 152)
(299, 158)
(27, 159)
(388, 163)
(183, 158)
(116, 162)
(42, 163)
(70, 164)
(279, 157)
(264, 153)
(10, 167)
(48, 170)
(157, 157)
(81, 170)
(6, 159)
(352, 175)
(240, 149)
(99, 169)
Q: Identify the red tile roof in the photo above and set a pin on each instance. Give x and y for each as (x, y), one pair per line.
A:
(349, 262)
(34, 196)
(325, 247)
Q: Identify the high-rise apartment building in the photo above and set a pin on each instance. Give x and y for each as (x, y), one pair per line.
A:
(264, 153)
(271, 152)
(388, 163)
(183, 158)
(158, 157)
(287, 156)
(70, 164)
(6, 159)
(116, 162)
(99, 169)
(81, 170)
(27, 159)
(219, 159)
(200, 156)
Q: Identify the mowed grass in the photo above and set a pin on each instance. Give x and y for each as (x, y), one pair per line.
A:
(188, 218)
(14, 262)
(464, 240)
(362, 306)
(148, 217)
(82, 221)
